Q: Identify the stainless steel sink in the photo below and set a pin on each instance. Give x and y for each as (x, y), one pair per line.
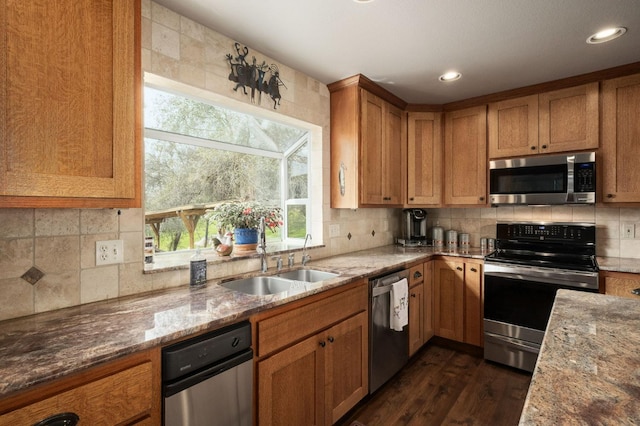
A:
(307, 275)
(292, 282)
(260, 286)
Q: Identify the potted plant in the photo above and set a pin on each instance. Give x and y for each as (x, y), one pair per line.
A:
(244, 218)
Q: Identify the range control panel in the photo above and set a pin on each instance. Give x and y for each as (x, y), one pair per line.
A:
(549, 232)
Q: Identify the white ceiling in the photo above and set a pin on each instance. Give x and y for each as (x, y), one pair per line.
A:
(405, 45)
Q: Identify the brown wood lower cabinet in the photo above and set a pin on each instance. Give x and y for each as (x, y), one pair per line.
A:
(621, 284)
(126, 391)
(316, 380)
(420, 305)
(458, 299)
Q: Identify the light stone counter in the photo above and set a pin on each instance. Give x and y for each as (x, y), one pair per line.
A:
(588, 371)
(619, 264)
(46, 346)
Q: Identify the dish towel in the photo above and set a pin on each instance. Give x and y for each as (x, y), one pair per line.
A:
(399, 310)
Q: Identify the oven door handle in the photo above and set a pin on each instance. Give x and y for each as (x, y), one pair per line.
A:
(575, 279)
(527, 347)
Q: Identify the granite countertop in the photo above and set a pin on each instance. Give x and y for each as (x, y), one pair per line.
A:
(46, 346)
(619, 264)
(588, 371)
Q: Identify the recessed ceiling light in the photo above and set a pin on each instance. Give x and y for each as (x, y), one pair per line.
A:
(450, 76)
(606, 35)
(363, 1)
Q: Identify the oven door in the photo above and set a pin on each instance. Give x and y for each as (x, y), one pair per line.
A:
(517, 305)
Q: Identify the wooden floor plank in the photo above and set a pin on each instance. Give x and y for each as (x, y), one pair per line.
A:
(444, 385)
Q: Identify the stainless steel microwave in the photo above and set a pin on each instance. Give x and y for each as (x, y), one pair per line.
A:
(545, 179)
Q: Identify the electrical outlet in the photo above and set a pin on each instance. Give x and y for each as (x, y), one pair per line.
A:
(334, 230)
(628, 230)
(109, 252)
(637, 230)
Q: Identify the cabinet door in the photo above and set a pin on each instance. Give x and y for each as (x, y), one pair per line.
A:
(465, 162)
(622, 284)
(569, 119)
(620, 136)
(70, 109)
(394, 153)
(428, 305)
(291, 385)
(371, 149)
(513, 127)
(473, 333)
(424, 158)
(347, 357)
(416, 318)
(449, 299)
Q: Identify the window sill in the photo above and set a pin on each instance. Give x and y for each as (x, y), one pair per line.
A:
(164, 262)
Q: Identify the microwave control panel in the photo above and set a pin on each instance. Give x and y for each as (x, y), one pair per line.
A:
(585, 177)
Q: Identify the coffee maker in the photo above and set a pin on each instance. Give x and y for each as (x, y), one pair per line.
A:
(414, 232)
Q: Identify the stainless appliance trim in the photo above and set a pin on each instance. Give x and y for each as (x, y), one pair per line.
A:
(567, 197)
(388, 349)
(516, 332)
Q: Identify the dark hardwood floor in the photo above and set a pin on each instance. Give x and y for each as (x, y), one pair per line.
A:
(446, 384)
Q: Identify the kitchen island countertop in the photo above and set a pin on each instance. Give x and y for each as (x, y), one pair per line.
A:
(588, 370)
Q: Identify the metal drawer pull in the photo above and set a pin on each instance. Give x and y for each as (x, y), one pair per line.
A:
(62, 419)
(474, 270)
(459, 268)
(636, 291)
(417, 274)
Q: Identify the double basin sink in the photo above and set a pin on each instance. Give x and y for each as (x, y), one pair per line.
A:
(291, 282)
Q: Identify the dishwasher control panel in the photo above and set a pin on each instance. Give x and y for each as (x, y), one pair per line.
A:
(193, 354)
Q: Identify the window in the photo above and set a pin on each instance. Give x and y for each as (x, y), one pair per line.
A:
(198, 153)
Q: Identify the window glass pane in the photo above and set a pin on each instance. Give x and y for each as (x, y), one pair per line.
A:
(296, 220)
(179, 174)
(297, 169)
(178, 114)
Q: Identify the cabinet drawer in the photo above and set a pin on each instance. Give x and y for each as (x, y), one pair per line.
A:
(123, 396)
(622, 284)
(283, 329)
(416, 275)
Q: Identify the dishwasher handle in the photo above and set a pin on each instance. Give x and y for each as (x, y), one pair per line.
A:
(172, 388)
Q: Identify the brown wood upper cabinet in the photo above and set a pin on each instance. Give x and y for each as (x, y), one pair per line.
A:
(465, 157)
(620, 137)
(424, 158)
(70, 109)
(558, 121)
(368, 148)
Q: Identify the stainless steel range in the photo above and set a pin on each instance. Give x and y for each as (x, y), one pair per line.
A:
(531, 262)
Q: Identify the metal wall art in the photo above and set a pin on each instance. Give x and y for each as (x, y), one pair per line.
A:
(254, 76)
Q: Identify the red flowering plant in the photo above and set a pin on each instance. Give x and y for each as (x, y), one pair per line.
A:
(246, 214)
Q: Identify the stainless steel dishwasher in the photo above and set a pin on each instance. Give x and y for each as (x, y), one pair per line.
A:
(208, 380)
(388, 349)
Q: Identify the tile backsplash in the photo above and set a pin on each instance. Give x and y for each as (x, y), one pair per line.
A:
(480, 222)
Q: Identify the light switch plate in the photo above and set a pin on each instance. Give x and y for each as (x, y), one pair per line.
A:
(109, 252)
(334, 230)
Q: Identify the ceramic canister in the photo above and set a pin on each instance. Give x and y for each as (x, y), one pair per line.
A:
(437, 235)
(452, 239)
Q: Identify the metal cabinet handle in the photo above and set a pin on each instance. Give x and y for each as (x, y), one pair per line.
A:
(474, 270)
(61, 419)
(323, 343)
(459, 268)
(411, 199)
(330, 339)
(413, 295)
(481, 198)
(533, 148)
(417, 274)
(544, 147)
(636, 291)
(609, 195)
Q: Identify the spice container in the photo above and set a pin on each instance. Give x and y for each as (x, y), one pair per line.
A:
(437, 236)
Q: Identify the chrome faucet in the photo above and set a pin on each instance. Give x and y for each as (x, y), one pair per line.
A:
(264, 264)
(305, 256)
